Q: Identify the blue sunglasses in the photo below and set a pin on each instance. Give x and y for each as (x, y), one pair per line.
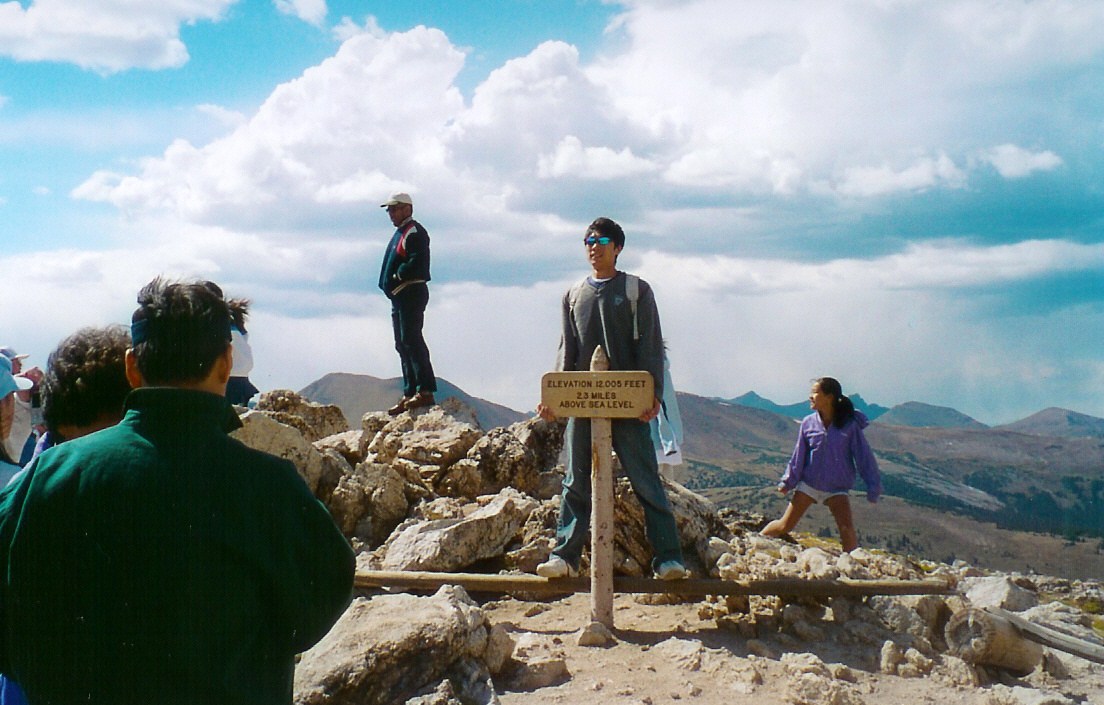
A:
(595, 240)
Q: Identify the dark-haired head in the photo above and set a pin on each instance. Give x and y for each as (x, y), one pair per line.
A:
(608, 228)
(842, 408)
(85, 382)
(239, 311)
(179, 330)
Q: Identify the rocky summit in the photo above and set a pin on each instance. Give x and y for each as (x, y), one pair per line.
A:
(430, 491)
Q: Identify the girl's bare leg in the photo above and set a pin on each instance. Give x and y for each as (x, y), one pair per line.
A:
(794, 512)
(840, 506)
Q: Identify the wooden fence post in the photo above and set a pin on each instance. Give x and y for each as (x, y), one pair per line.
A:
(601, 510)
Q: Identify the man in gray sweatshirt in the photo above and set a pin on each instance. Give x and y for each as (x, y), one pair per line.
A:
(610, 309)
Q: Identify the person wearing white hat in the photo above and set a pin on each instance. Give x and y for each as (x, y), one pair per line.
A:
(404, 278)
(18, 441)
(9, 385)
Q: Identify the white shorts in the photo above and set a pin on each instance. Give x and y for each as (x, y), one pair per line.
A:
(818, 496)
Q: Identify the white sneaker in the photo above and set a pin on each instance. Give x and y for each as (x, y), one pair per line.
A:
(670, 570)
(556, 567)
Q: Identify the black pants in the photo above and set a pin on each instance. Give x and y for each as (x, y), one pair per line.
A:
(407, 316)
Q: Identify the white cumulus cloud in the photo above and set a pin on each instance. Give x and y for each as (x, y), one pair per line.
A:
(108, 36)
(921, 175)
(310, 11)
(1014, 162)
(571, 158)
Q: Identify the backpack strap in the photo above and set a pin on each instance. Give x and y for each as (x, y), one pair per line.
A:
(632, 291)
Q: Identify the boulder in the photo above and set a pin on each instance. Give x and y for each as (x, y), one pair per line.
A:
(315, 421)
(385, 442)
(999, 591)
(811, 689)
(434, 439)
(352, 445)
(438, 438)
(389, 647)
(1019, 695)
(369, 502)
(796, 664)
(536, 664)
(911, 616)
(451, 544)
(265, 433)
(684, 653)
(817, 564)
(957, 672)
(521, 456)
(334, 467)
(695, 516)
(442, 694)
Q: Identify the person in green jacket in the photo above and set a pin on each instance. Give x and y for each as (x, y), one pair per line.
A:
(160, 560)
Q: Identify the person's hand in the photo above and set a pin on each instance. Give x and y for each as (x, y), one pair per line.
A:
(652, 412)
(782, 489)
(545, 413)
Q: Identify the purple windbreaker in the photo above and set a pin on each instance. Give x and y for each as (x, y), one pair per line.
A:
(826, 459)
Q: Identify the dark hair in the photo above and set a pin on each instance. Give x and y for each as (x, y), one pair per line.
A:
(85, 378)
(608, 228)
(842, 408)
(239, 311)
(179, 330)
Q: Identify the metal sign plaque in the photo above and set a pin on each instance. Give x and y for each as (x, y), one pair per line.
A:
(612, 395)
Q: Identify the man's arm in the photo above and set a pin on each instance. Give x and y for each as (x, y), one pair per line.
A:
(315, 582)
(568, 351)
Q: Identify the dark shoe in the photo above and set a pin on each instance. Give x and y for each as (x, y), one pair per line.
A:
(400, 407)
(419, 400)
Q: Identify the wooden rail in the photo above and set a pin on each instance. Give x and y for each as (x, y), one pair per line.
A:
(510, 583)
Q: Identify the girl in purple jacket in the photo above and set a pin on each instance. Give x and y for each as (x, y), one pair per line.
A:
(830, 449)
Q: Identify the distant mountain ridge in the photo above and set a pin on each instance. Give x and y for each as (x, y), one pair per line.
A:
(1058, 422)
(919, 415)
(356, 395)
(801, 409)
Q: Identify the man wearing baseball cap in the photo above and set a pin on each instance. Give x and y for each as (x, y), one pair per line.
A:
(404, 278)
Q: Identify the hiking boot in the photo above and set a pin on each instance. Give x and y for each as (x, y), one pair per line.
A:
(671, 570)
(400, 407)
(556, 567)
(419, 400)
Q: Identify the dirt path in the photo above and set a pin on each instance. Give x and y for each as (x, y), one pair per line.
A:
(668, 654)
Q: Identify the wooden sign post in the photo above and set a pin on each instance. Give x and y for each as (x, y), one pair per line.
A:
(599, 395)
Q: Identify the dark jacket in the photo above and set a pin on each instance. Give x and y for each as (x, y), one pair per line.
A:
(406, 259)
(161, 561)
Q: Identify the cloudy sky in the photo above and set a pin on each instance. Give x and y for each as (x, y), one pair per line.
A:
(904, 194)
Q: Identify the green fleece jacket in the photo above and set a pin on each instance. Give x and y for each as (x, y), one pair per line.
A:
(161, 561)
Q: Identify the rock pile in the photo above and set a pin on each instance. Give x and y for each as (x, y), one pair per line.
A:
(428, 490)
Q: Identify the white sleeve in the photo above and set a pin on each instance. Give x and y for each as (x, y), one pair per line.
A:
(243, 354)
